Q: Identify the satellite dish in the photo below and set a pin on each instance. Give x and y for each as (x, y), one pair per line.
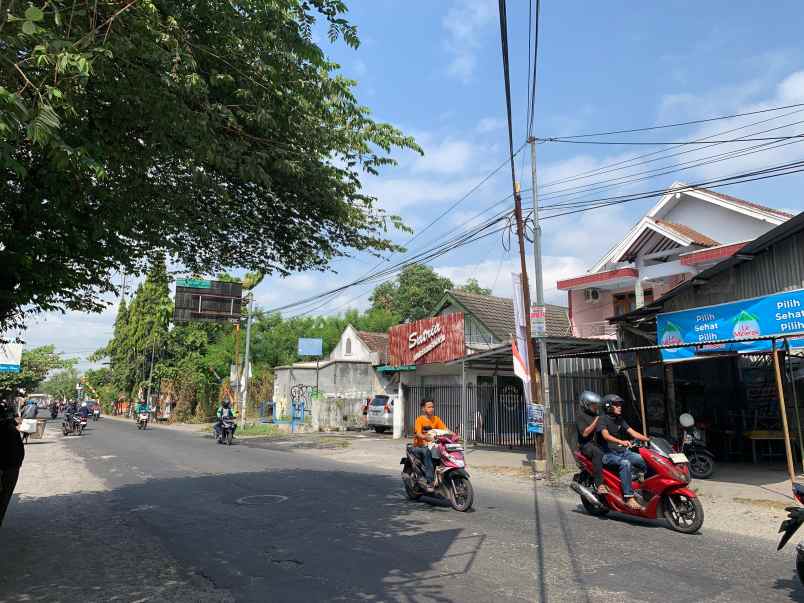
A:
(686, 420)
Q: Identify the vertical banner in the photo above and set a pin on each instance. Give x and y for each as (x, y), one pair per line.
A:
(10, 357)
(521, 335)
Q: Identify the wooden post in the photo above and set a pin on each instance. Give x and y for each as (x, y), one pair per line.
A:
(795, 398)
(560, 413)
(641, 395)
(780, 390)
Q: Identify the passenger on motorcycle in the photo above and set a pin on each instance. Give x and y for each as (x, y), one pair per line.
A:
(587, 424)
(614, 436)
(83, 412)
(421, 438)
(225, 410)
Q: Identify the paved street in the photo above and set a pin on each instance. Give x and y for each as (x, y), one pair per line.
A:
(169, 515)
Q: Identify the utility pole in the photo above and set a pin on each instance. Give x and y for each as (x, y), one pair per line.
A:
(535, 381)
(538, 276)
(247, 369)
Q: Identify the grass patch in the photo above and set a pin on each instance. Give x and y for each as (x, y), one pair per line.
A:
(775, 505)
(262, 430)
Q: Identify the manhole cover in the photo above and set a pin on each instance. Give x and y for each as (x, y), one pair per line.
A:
(261, 499)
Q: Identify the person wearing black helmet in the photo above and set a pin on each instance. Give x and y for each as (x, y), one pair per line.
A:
(587, 422)
(616, 438)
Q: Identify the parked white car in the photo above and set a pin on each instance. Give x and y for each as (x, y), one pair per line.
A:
(380, 413)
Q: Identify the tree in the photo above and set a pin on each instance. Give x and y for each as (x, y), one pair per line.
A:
(472, 286)
(215, 132)
(62, 384)
(413, 295)
(34, 368)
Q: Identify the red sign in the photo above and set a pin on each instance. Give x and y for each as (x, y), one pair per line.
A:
(438, 339)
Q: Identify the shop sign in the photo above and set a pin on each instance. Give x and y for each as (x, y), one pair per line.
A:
(779, 314)
(538, 324)
(438, 339)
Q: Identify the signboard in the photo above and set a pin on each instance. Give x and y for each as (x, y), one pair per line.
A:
(535, 418)
(520, 324)
(437, 339)
(211, 301)
(538, 322)
(10, 357)
(777, 314)
(311, 346)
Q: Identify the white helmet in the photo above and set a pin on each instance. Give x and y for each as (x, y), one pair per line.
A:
(83, 404)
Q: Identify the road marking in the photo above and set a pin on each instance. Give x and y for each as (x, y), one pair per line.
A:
(106, 457)
(261, 499)
(143, 508)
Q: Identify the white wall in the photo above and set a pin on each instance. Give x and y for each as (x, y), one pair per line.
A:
(719, 223)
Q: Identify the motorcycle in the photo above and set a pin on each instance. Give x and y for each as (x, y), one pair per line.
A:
(142, 420)
(451, 478)
(795, 517)
(702, 461)
(662, 492)
(73, 424)
(226, 431)
(54, 412)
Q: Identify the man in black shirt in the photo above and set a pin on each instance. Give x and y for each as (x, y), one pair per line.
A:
(12, 453)
(614, 430)
(586, 423)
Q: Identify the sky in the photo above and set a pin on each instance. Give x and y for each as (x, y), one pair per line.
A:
(434, 70)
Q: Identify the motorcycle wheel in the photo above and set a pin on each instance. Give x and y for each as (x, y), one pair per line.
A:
(461, 493)
(800, 563)
(229, 437)
(410, 489)
(690, 515)
(702, 466)
(139, 424)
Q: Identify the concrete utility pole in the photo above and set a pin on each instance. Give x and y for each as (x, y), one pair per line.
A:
(538, 276)
(247, 368)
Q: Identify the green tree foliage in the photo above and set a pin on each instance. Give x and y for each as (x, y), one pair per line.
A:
(472, 286)
(215, 132)
(62, 383)
(34, 368)
(413, 294)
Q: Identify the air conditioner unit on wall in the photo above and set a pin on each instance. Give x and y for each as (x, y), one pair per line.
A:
(592, 295)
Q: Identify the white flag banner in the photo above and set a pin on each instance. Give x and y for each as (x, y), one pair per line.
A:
(520, 343)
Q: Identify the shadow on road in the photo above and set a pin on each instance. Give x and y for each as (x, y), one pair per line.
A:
(311, 536)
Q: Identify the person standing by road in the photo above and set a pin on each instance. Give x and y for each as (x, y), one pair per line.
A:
(12, 453)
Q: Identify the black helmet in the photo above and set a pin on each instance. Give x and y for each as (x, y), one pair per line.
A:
(587, 399)
(225, 403)
(610, 400)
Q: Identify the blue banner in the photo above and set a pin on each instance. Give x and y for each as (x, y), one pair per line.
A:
(535, 418)
(778, 314)
(311, 346)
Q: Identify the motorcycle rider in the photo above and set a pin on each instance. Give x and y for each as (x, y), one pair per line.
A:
(421, 438)
(83, 412)
(225, 411)
(141, 407)
(587, 423)
(614, 430)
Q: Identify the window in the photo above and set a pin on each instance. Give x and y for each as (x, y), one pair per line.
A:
(626, 302)
(348, 347)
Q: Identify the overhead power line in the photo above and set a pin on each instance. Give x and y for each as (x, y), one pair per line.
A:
(682, 123)
(676, 142)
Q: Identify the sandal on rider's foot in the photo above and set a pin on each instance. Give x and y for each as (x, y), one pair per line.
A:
(602, 489)
(631, 503)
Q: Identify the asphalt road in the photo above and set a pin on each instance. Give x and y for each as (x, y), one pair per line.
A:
(259, 522)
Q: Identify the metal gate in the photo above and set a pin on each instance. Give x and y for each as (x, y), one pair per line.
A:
(494, 415)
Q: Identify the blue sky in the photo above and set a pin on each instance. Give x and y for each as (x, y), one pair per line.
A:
(434, 70)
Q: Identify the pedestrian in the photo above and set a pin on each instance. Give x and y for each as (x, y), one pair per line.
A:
(12, 452)
(29, 414)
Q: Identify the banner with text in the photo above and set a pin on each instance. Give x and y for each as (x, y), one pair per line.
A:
(777, 314)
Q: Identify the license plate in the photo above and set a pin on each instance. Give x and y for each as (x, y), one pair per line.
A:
(679, 457)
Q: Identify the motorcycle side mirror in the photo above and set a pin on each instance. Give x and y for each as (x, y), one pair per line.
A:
(686, 420)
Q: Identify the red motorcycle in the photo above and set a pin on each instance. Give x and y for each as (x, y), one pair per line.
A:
(795, 517)
(661, 492)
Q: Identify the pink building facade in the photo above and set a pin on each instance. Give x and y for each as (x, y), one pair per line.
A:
(687, 231)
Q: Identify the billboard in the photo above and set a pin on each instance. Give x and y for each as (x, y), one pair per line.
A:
(214, 301)
(311, 346)
(437, 339)
(778, 314)
(10, 357)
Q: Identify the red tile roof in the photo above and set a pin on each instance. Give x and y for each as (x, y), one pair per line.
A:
(749, 204)
(376, 342)
(689, 233)
(710, 255)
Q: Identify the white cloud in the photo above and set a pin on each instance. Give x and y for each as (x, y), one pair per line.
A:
(446, 157)
(463, 23)
(490, 124)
